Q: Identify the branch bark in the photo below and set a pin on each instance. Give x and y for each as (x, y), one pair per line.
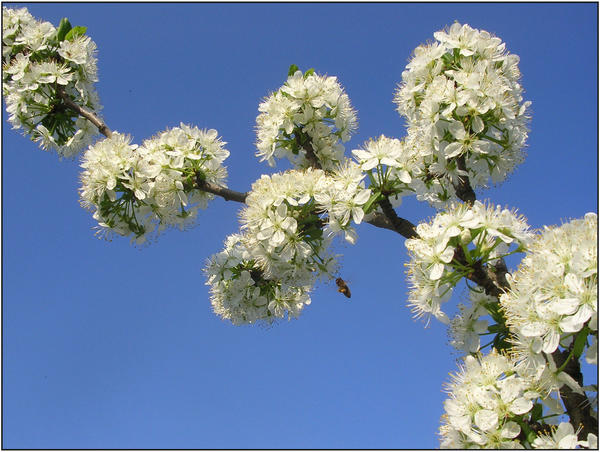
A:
(225, 193)
(403, 227)
(577, 405)
(84, 112)
(463, 188)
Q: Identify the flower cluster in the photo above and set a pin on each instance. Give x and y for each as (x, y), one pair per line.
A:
(289, 224)
(487, 398)
(490, 401)
(393, 167)
(564, 436)
(441, 256)
(42, 66)
(241, 293)
(467, 326)
(554, 293)
(462, 97)
(132, 189)
(305, 121)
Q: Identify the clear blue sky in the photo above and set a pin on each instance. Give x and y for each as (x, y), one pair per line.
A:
(110, 346)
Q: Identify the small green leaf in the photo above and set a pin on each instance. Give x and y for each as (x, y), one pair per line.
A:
(308, 73)
(63, 28)
(374, 197)
(75, 32)
(494, 328)
(292, 70)
(580, 342)
(536, 412)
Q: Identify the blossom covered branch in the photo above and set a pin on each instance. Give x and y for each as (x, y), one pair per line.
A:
(466, 127)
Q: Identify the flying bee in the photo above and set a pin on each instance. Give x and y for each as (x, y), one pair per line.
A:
(343, 287)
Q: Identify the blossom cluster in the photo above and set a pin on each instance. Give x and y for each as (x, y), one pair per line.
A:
(485, 396)
(242, 294)
(441, 256)
(307, 118)
(135, 190)
(463, 103)
(489, 400)
(288, 227)
(393, 167)
(40, 65)
(554, 293)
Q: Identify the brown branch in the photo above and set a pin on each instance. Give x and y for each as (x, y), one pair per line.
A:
(403, 227)
(463, 188)
(91, 117)
(225, 193)
(311, 156)
(478, 274)
(577, 405)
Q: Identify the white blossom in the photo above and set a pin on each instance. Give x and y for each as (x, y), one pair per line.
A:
(36, 66)
(554, 292)
(138, 190)
(485, 395)
(308, 112)
(489, 230)
(240, 291)
(462, 97)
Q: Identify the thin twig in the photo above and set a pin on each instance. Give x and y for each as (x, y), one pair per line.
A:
(225, 193)
(102, 127)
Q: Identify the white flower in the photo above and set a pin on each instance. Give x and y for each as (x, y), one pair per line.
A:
(554, 292)
(240, 291)
(563, 437)
(35, 67)
(308, 114)
(484, 395)
(467, 325)
(463, 98)
(490, 231)
(152, 188)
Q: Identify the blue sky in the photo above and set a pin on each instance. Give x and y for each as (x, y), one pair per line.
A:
(110, 346)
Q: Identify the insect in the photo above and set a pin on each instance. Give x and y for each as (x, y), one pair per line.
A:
(343, 287)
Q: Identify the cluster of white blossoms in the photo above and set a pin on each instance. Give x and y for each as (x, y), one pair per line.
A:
(288, 226)
(241, 293)
(462, 97)
(135, 190)
(393, 167)
(448, 248)
(554, 293)
(466, 327)
(40, 62)
(564, 436)
(487, 397)
(308, 114)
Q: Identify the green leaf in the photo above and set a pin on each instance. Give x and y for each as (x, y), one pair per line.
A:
(308, 73)
(75, 32)
(580, 342)
(495, 328)
(374, 197)
(292, 70)
(536, 412)
(63, 28)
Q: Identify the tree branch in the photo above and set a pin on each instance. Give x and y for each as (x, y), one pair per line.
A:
(577, 405)
(309, 151)
(403, 227)
(225, 193)
(91, 117)
(479, 275)
(463, 188)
